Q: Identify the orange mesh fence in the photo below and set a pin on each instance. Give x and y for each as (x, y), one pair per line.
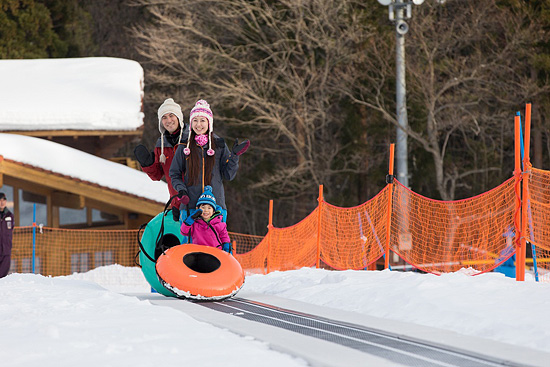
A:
(349, 238)
(354, 238)
(444, 236)
(292, 247)
(255, 261)
(252, 261)
(435, 236)
(538, 221)
(243, 243)
(64, 251)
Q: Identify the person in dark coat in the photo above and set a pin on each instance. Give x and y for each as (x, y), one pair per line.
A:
(204, 161)
(6, 236)
(157, 163)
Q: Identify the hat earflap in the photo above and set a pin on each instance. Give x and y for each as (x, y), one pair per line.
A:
(162, 158)
(210, 151)
(186, 150)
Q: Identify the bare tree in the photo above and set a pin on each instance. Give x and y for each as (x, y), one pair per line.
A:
(468, 70)
(274, 69)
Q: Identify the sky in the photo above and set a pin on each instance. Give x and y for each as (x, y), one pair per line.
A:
(94, 93)
(94, 319)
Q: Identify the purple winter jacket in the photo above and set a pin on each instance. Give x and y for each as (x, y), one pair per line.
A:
(213, 234)
(6, 232)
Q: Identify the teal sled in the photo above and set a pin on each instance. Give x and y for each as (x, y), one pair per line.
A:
(167, 234)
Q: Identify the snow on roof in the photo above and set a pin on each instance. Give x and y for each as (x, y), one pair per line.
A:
(71, 162)
(95, 93)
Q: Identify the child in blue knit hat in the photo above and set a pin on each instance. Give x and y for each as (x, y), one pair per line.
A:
(205, 227)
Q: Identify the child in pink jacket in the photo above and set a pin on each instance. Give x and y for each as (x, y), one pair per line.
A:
(205, 226)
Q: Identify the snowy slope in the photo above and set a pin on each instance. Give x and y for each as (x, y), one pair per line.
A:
(83, 319)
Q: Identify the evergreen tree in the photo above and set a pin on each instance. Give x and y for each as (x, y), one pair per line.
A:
(26, 30)
(31, 29)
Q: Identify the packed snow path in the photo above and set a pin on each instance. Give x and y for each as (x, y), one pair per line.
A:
(327, 337)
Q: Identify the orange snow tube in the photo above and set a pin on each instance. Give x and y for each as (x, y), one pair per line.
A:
(199, 272)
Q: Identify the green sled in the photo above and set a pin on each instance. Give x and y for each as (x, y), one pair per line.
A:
(172, 237)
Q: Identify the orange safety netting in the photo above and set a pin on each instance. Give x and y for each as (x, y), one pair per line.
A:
(354, 238)
(436, 236)
(348, 238)
(252, 261)
(538, 221)
(445, 236)
(292, 247)
(65, 251)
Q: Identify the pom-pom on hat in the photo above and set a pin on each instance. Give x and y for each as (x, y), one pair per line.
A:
(168, 106)
(207, 197)
(202, 108)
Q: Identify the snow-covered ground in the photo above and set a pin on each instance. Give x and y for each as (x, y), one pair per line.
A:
(86, 320)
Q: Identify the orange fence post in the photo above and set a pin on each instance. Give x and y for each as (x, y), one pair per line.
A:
(320, 200)
(269, 227)
(517, 175)
(520, 260)
(388, 225)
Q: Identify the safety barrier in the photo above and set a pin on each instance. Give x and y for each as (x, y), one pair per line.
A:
(538, 221)
(478, 233)
(65, 251)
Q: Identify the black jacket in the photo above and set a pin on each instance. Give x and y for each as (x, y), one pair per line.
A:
(6, 232)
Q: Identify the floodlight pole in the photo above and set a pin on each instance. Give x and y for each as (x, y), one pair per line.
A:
(399, 11)
(401, 157)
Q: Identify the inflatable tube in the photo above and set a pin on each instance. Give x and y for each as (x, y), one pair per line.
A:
(200, 272)
(172, 237)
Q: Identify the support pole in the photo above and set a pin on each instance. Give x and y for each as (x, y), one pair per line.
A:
(401, 105)
(269, 227)
(390, 200)
(517, 175)
(33, 237)
(319, 208)
(529, 215)
(520, 275)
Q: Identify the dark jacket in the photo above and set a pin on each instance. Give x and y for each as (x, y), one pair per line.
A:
(225, 168)
(6, 232)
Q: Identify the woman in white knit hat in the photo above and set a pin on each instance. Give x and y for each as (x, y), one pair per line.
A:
(157, 163)
(204, 160)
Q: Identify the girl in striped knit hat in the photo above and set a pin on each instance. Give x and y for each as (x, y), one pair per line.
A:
(204, 161)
